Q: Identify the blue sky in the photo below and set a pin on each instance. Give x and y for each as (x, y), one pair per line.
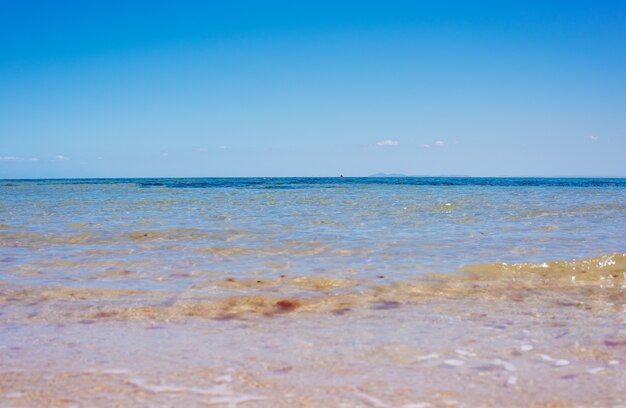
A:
(312, 88)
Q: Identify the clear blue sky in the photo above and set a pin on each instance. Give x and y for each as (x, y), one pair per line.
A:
(312, 88)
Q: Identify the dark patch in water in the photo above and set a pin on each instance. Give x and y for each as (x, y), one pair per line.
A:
(287, 305)
(386, 305)
(283, 370)
(87, 321)
(562, 334)
(485, 368)
(225, 317)
(568, 303)
(104, 315)
(615, 342)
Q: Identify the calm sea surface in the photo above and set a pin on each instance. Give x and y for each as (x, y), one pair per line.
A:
(166, 231)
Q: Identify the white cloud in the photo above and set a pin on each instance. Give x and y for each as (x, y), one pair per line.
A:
(593, 137)
(222, 147)
(438, 143)
(8, 158)
(33, 159)
(387, 142)
(61, 157)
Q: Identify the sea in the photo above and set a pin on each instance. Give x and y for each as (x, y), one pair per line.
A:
(384, 292)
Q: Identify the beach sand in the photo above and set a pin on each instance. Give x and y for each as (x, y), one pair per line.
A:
(545, 335)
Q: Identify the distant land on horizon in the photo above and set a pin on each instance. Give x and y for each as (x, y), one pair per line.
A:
(405, 175)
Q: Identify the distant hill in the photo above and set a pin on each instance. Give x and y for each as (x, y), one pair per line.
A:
(415, 175)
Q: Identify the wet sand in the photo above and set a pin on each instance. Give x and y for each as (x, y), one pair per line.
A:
(545, 335)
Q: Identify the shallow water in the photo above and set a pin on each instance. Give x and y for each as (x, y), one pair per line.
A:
(313, 292)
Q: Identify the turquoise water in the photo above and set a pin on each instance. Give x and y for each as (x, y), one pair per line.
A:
(313, 292)
(173, 233)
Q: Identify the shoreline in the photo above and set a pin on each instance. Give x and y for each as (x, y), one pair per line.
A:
(471, 341)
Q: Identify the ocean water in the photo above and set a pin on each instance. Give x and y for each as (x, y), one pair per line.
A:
(167, 232)
(318, 291)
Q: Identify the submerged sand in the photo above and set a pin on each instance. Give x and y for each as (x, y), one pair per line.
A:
(540, 334)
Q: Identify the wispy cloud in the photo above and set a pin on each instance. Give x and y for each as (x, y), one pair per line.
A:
(8, 158)
(387, 142)
(165, 154)
(593, 137)
(222, 147)
(33, 159)
(61, 157)
(438, 143)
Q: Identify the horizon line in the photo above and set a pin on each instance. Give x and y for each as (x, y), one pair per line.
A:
(309, 177)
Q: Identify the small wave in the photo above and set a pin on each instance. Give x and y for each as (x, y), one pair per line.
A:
(225, 251)
(19, 239)
(12, 293)
(590, 283)
(167, 234)
(605, 270)
(603, 208)
(292, 251)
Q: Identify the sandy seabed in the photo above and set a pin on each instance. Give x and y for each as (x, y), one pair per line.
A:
(536, 335)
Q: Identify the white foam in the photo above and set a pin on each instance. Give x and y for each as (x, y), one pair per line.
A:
(557, 362)
(504, 364)
(178, 389)
(451, 362)
(233, 400)
(428, 356)
(223, 379)
(219, 393)
(372, 400)
(116, 371)
(545, 357)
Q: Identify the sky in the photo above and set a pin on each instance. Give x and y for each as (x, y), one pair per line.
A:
(312, 88)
